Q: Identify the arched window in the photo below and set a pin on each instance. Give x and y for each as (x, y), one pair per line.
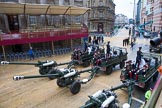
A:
(101, 3)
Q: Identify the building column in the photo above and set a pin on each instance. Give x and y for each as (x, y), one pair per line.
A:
(43, 1)
(71, 44)
(4, 54)
(61, 2)
(71, 2)
(30, 45)
(6, 23)
(52, 47)
(21, 1)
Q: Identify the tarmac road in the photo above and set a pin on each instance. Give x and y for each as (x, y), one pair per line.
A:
(44, 93)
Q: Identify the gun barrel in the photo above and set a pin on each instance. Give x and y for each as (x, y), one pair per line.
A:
(17, 63)
(86, 70)
(16, 78)
(124, 85)
(118, 87)
(46, 63)
(89, 105)
(63, 63)
(94, 69)
(156, 41)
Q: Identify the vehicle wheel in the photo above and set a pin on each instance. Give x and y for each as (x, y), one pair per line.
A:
(86, 64)
(155, 76)
(61, 82)
(121, 64)
(109, 70)
(52, 71)
(75, 87)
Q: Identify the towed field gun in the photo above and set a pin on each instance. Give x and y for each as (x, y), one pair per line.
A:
(107, 62)
(84, 57)
(66, 77)
(45, 67)
(145, 73)
(107, 98)
(156, 44)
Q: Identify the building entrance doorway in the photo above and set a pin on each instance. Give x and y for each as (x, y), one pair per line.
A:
(100, 27)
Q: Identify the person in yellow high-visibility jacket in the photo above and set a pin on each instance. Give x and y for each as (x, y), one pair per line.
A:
(148, 94)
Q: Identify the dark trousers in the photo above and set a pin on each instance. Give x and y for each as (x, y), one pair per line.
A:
(31, 56)
(137, 62)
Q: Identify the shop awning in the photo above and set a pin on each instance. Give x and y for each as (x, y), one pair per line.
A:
(40, 9)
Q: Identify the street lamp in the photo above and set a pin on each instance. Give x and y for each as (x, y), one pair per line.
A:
(133, 29)
(134, 7)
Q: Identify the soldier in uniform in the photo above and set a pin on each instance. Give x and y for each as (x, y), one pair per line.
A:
(108, 47)
(139, 55)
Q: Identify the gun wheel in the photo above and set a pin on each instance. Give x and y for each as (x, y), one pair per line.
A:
(52, 71)
(75, 87)
(42, 71)
(86, 64)
(109, 70)
(61, 82)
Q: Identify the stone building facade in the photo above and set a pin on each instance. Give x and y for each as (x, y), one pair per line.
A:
(101, 18)
(36, 26)
(151, 10)
(121, 20)
(37, 21)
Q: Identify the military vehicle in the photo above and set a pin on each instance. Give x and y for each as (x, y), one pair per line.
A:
(144, 73)
(107, 98)
(45, 67)
(108, 62)
(66, 77)
(84, 58)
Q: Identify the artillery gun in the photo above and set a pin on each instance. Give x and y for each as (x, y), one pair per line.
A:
(66, 77)
(145, 73)
(84, 57)
(156, 44)
(107, 62)
(45, 67)
(107, 98)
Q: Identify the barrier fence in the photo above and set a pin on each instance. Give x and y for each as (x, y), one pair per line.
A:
(44, 36)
